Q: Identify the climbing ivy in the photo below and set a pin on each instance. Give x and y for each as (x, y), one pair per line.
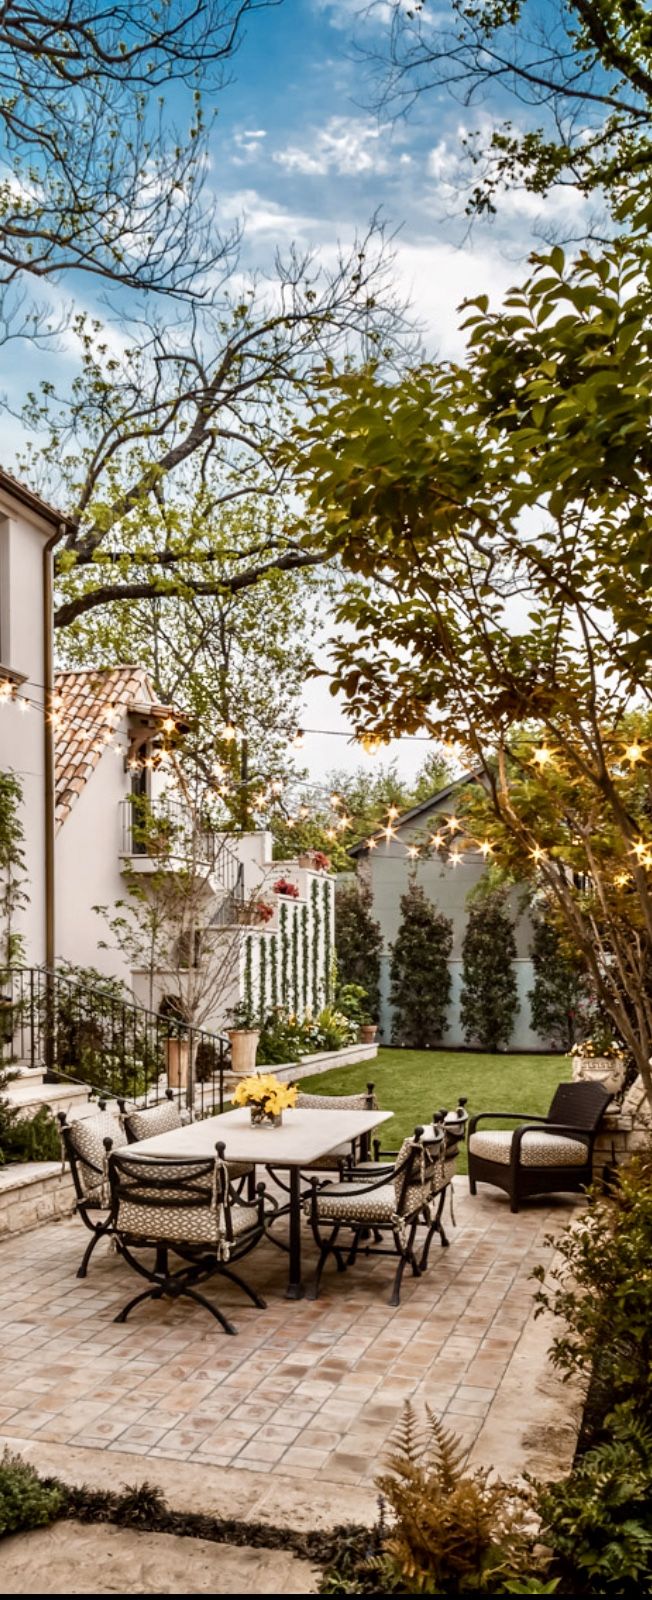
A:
(13, 877)
(248, 974)
(316, 925)
(273, 969)
(328, 949)
(305, 958)
(295, 960)
(262, 979)
(285, 951)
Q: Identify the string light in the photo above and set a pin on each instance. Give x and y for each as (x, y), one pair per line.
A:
(486, 849)
(453, 824)
(542, 756)
(455, 857)
(622, 878)
(634, 753)
(392, 812)
(438, 840)
(537, 854)
(228, 733)
(169, 725)
(298, 740)
(372, 844)
(335, 800)
(412, 851)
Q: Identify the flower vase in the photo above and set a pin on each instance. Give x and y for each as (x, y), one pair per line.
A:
(262, 1119)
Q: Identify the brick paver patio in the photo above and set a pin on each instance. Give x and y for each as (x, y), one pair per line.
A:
(304, 1388)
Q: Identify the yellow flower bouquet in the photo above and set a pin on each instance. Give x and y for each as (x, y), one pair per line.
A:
(266, 1097)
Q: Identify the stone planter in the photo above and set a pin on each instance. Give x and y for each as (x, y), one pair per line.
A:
(244, 1044)
(609, 1070)
(367, 1032)
(176, 1063)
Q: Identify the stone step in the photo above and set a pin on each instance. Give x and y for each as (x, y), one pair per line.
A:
(33, 1192)
(27, 1096)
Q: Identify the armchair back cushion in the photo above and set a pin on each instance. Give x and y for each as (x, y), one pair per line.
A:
(85, 1146)
(579, 1105)
(165, 1199)
(163, 1118)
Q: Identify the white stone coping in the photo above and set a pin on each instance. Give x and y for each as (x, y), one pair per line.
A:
(323, 1061)
(21, 1174)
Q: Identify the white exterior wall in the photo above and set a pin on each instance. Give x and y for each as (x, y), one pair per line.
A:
(22, 541)
(388, 870)
(88, 866)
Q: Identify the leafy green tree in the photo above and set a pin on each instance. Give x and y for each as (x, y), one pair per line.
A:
(560, 997)
(358, 806)
(419, 973)
(358, 942)
(511, 522)
(489, 995)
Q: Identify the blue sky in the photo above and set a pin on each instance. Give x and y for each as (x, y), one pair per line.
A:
(298, 155)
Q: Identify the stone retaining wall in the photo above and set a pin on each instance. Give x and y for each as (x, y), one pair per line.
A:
(32, 1193)
(625, 1131)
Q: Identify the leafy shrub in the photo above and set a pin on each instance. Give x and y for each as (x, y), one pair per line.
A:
(599, 1519)
(352, 999)
(27, 1138)
(25, 1500)
(419, 972)
(489, 1000)
(359, 943)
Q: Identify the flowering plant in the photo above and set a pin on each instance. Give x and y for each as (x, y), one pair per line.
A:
(321, 862)
(266, 1092)
(284, 886)
(262, 911)
(597, 1047)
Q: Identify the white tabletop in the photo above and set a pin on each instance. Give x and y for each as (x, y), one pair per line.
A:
(303, 1137)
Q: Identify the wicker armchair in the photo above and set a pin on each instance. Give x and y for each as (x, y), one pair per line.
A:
(544, 1155)
(188, 1206)
(393, 1202)
(83, 1148)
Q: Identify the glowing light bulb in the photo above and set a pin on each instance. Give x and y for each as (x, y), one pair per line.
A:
(335, 800)
(412, 851)
(331, 833)
(298, 740)
(392, 812)
(634, 752)
(228, 733)
(537, 854)
(621, 879)
(453, 824)
(542, 756)
(486, 849)
(23, 704)
(455, 858)
(438, 840)
(169, 725)
(372, 844)
(640, 848)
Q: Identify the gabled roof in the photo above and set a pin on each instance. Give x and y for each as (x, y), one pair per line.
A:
(34, 502)
(86, 696)
(424, 806)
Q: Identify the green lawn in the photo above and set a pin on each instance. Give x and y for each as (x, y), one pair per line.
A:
(414, 1083)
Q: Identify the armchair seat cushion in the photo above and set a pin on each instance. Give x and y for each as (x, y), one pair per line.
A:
(201, 1225)
(538, 1148)
(345, 1203)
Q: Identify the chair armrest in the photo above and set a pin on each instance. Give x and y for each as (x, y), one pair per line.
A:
(509, 1116)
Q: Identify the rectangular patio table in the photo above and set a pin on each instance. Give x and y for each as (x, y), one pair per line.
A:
(302, 1139)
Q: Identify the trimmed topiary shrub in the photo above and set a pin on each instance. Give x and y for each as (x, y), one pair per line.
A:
(489, 994)
(26, 1501)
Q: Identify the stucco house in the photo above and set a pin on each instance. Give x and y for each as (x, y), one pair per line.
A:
(105, 742)
(446, 875)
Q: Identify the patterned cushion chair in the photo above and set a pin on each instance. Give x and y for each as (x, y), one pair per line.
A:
(544, 1155)
(343, 1153)
(146, 1122)
(83, 1147)
(187, 1205)
(393, 1202)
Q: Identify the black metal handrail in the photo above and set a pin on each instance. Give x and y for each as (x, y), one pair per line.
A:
(89, 1033)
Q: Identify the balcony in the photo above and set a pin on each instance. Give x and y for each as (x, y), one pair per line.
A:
(164, 835)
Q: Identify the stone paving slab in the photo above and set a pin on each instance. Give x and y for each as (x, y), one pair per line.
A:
(299, 1407)
(75, 1558)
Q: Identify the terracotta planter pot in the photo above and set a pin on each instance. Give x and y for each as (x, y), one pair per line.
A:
(176, 1063)
(244, 1044)
(367, 1033)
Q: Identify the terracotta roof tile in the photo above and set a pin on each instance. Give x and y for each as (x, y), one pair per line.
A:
(85, 698)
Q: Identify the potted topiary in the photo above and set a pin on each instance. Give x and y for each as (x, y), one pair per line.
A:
(353, 1001)
(243, 1035)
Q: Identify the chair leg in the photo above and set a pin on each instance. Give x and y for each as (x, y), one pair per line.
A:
(99, 1233)
(234, 1277)
(193, 1294)
(325, 1250)
(395, 1296)
(473, 1187)
(147, 1294)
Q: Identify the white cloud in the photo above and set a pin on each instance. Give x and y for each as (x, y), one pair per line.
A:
(347, 146)
(437, 277)
(248, 145)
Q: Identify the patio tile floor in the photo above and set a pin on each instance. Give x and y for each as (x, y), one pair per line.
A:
(305, 1387)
